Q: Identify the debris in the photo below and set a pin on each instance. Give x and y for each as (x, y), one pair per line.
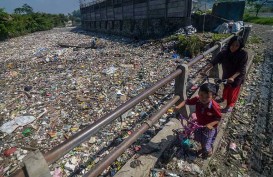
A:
(69, 166)
(57, 172)
(71, 88)
(10, 151)
(27, 88)
(92, 140)
(52, 134)
(110, 70)
(233, 146)
(10, 126)
(222, 29)
(27, 132)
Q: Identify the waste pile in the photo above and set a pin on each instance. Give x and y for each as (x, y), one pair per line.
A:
(50, 91)
(230, 27)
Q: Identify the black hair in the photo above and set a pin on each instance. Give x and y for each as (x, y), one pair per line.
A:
(208, 88)
(236, 38)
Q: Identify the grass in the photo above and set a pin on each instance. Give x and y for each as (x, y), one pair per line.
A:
(171, 38)
(258, 58)
(254, 39)
(258, 20)
(219, 37)
(189, 45)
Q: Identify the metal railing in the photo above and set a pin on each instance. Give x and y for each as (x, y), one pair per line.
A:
(180, 75)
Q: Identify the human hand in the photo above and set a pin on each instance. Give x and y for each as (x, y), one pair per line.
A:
(230, 80)
(209, 126)
(176, 108)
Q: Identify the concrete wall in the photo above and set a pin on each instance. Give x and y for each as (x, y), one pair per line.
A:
(143, 18)
(219, 15)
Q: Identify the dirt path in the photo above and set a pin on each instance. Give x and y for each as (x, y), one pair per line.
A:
(250, 128)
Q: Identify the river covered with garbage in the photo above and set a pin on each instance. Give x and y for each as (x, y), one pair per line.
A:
(50, 91)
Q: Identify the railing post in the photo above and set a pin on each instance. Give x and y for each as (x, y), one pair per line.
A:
(181, 88)
(246, 33)
(216, 71)
(36, 165)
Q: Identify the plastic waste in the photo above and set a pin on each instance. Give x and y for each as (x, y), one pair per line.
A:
(27, 132)
(110, 70)
(27, 88)
(57, 172)
(10, 151)
(236, 26)
(186, 143)
(232, 146)
(175, 56)
(222, 29)
(190, 30)
(10, 126)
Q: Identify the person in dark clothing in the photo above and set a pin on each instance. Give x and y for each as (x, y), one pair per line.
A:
(234, 62)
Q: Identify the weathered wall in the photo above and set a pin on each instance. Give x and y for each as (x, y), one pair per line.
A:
(143, 18)
(219, 15)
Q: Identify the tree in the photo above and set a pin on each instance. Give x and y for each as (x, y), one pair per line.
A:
(25, 9)
(18, 10)
(24, 21)
(257, 5)
(75, 17)
(3, 32)
(76, 13)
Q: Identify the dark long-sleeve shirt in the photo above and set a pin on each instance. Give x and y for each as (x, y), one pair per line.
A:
(231, 64)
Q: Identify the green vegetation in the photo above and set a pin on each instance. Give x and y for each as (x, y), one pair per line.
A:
(218, 37)
(257, 5)
(75, 17)
(173, 37)
(200, 12)
(24, 21)
(258, 20)
(25, 9)
(258, 58)
(254, 39)
(189, 45)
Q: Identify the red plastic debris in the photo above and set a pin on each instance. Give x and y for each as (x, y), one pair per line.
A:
(48, 94)
(9, 151)
(137, 148)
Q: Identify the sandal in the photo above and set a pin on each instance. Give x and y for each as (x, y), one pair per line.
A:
(207, 154)
(220, 100)
(226, 110)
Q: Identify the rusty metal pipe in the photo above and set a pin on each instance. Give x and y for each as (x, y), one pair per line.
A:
(60, 150)
(113, 155)
(195, 60)
(198, 58)
(227, 39)
(210, 50)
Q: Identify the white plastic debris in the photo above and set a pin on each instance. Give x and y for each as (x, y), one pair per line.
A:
(195, 168)
(69, 166)
(93, 140)
(119, 93)
(222, 29)
(10, 126)
(57, 172)
(236, 26)
(110, 70)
